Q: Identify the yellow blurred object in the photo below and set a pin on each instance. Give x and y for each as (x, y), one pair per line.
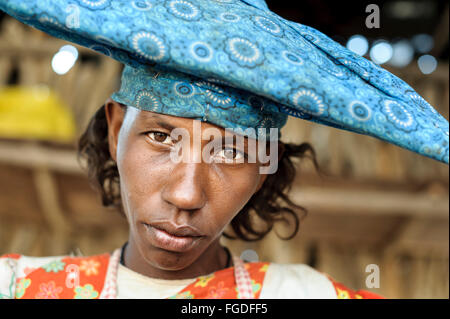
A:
(35, 112)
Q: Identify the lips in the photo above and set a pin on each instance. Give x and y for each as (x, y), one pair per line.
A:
(168, 236)
(177, 230)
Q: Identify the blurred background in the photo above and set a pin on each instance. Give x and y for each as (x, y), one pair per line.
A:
(377, 204)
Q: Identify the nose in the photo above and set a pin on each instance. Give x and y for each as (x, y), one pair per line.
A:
(185, 187)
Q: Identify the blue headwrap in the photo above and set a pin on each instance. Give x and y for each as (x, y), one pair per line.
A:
(222, 48)
(180, 94)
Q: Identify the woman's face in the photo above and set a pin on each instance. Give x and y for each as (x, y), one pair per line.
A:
(194, 200)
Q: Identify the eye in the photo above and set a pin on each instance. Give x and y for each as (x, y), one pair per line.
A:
(231, 154)
(160, 137)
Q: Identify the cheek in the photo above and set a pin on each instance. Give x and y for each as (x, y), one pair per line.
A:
(139, 178)
(233, 191)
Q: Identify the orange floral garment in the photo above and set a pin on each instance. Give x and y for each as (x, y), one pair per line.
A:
(84, 278)
(343, 292)
(65, 278)
(221, 284)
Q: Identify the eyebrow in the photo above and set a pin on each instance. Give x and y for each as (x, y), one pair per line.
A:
(165, 125)
(154, 118)
(159, 121)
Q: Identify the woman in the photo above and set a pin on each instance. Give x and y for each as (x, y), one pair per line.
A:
(177, 213)
(181, 181)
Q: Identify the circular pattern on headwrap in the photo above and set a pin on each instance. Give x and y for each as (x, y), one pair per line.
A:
(141, 5)
(149, 46)
(184, 9)
(184, 90)
(243, 51)
(291, 57)
(266, 122)
(309, 101)
(216, 96)
(360, 111)
(398, 115)
(229, 17)
(201, 51)
(147, 101)
(267, 25)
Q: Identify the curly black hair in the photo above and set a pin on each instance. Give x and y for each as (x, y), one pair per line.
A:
(271, 204)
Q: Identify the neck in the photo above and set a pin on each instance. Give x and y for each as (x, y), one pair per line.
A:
(214, 258)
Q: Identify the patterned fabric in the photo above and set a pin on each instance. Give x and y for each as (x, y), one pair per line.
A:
(110, 290)
(95, 277)
(180, 94)
(343, 292)
(243, 280)
(223, 284)
(244, 45)
(89, 278)
(59, 277)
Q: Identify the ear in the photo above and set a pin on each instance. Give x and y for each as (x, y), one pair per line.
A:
(114, 113)
(281, 149)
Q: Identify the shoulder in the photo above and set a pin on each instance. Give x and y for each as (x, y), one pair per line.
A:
(342, 292)
(296, 281)
(300, 281)
(51, 277)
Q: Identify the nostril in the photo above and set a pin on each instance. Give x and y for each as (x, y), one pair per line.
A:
(189, 200)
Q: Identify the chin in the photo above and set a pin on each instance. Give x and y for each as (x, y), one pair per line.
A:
(168, 260)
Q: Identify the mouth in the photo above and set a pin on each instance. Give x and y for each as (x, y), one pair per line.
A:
(173, 238)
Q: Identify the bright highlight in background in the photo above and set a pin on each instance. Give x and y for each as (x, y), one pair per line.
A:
(427, 63)
(381, 52)
(71, 49)
(423, 42)
(403, 53)
(64, 59)
(358, 44)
